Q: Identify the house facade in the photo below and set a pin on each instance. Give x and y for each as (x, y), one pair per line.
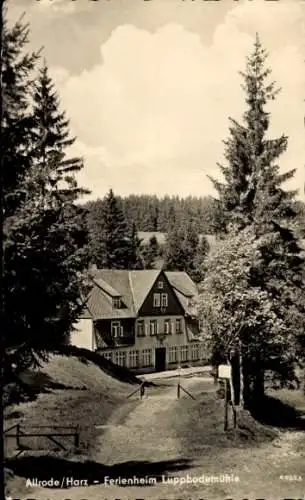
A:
(144, 320)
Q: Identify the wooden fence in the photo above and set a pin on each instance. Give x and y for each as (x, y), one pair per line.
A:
(52, 434)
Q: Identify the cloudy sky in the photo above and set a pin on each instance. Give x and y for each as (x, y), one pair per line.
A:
(149, 85)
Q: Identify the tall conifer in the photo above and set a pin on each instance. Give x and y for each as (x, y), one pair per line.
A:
(252, 197)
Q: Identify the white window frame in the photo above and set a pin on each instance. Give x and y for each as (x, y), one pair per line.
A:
(140, 327)
(116, 329)
(179, 330)
(173, 354)
(117, 302)
(164, 300)
(134, 359)
(108, 355)
(146, 357)
(195, 352)
(184, 353)
(120, 358)
(168, 327)
(153, 331)
(156, 300)
(160, 285)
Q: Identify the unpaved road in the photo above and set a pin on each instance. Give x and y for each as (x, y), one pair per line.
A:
(152, 440)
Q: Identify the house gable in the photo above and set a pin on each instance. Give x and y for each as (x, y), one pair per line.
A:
(161, 299)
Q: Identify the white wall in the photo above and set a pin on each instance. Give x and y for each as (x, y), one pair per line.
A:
(83, 335)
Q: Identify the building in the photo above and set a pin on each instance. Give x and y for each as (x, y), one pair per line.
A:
(144, 320)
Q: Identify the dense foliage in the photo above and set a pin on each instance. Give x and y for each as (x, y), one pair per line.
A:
(113, 243)
(44, 248)
(185, 251)
(151, 213)
(255, 281)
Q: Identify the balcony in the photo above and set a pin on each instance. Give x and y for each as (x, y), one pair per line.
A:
(125, 339)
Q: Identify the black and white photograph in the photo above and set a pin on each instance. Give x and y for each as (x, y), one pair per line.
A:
(153, 255)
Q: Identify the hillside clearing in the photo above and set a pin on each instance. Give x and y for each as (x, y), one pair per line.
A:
(67, 391)
(162, 437)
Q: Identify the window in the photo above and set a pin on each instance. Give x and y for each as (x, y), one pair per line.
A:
(167, 326)
(195, 352)
(134, 359)
(146, 357)
(140, 329)
(164, 300)
(160, 285)
(108, 355)
(117, 303)
(120, 358)
(116, 329)
(184, 353)
(179, 325)
(172, 354)
(153, 327)
(156, 300)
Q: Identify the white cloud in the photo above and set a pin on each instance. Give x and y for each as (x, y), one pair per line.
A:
(152, 115)
(56, 6)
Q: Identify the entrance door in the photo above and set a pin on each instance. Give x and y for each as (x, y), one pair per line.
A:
(160, 359)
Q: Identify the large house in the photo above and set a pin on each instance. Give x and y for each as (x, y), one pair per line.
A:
(144, 320)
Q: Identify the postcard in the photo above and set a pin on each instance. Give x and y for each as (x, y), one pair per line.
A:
(153, 213)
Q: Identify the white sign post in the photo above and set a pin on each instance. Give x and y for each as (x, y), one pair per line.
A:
(224, 371)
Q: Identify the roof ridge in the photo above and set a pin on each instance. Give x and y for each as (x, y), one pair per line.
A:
(132, 291)
(184, 292)
(157, 272)
(110, 287)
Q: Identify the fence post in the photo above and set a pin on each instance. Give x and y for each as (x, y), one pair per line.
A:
(142, 390)
(225, 425)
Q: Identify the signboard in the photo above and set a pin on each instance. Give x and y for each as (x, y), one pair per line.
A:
(224, 371)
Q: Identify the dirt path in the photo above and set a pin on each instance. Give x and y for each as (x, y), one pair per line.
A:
(146, 425)
(156, 439)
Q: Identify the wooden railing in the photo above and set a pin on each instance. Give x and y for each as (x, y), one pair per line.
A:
(52, 435)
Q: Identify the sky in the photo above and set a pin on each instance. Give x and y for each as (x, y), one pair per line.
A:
(149, 86)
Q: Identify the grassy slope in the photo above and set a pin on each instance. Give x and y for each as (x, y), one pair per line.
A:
(70, 390)
(186, 437)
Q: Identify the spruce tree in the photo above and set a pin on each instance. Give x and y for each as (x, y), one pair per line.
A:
(16, 117)
(53, 171)
(252, 197)
(181, 249)
(199, 262)
(114, 244)
(174, 256)
(250, 155)
(151, 252)
(136, 259)
(44, 238)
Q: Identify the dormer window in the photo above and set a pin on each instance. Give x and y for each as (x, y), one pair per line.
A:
(117, 303)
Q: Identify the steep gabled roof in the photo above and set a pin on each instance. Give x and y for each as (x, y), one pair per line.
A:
(133, 287)
(182, 283)
(141, 283)
(184, 288)
(109, 284)
(107, 288)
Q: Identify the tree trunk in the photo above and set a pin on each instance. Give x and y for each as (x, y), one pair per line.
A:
(259, 384)
(241, 374)
(246, 394)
